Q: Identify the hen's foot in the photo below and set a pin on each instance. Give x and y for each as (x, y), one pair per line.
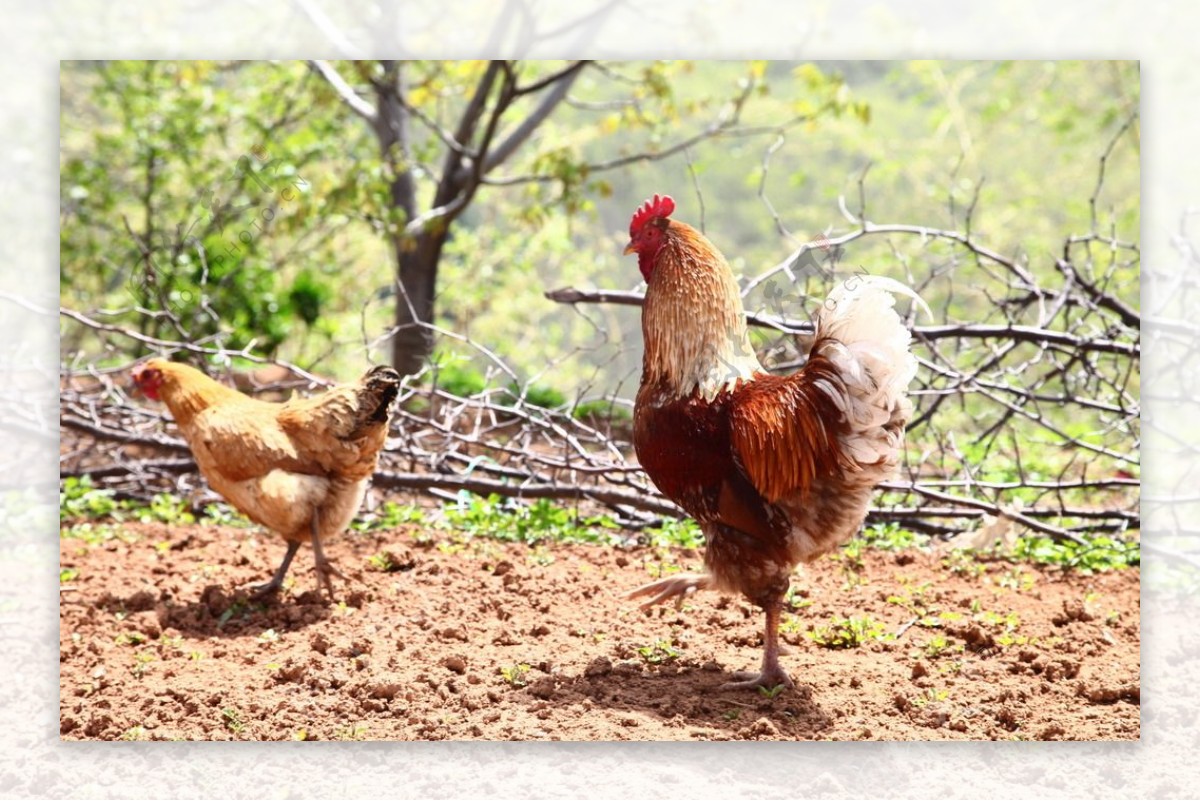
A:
(678, 587)
(325, 569)
(323, 566)
(260, 590)
(272, 586)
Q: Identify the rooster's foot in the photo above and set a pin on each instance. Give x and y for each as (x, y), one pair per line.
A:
(766, 680)
(678, 587)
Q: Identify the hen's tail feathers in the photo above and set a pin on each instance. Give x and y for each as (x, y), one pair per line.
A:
(859, 331)
(381, 385)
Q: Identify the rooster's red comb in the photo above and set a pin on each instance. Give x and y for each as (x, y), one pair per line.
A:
(657, 206)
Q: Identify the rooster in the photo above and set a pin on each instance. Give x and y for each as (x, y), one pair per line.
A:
(299, 468)
(777, 470)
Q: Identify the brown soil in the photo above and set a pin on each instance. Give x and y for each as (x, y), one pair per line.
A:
(157, 643)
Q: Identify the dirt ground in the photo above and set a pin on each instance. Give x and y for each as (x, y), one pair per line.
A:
(498, 641)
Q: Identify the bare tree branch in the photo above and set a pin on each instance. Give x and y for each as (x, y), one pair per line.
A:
(560, 84)
(346, 92)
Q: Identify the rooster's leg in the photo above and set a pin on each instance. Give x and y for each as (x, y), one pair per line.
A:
(772, 674)
(323, 566)
(277, 580)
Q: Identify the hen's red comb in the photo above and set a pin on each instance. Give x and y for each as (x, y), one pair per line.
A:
(657, 206)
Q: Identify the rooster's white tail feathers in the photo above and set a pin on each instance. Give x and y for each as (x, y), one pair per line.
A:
(858, 330)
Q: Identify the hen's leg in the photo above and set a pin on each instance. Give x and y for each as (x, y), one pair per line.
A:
(772, 674)
(323, 566)
(679, 587)
(277, 580)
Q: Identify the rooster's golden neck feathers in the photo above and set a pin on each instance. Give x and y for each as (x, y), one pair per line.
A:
(693, 322)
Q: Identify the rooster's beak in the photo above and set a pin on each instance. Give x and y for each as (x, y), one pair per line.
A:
(629, 249)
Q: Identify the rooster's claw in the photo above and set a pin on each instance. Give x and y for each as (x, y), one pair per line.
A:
(678, 587)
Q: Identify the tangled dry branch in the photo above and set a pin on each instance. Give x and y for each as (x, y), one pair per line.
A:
(1051, 371)
(1027, 400)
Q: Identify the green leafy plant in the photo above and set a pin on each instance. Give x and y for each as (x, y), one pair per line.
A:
(939, 644)
(382, 562)
(239, 608)
(850, 557)
(677, 533)
(660, 652)
(602, 410)
(1017, 579)
(1094, 555)
(222, 514)
(166, 508)
(92, 534)
(141, 663)
(930, 695)
(962, 562)
(538, 395)
(515, 674)
(390, 515)
(78, 497)
(135, 734)
(850, 632)
(454, 374)
(231, 718)
(891, 537)
(514, 521)
(356, 733)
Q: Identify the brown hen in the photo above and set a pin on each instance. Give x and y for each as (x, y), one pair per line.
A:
(299, 468)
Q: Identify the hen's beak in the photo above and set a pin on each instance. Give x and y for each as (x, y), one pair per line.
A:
(629, 249)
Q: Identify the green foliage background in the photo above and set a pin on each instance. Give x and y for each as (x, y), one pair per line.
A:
(151, 149)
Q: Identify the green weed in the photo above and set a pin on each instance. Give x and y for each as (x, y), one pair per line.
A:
(515, 674)
(529, 523)
(535, 395)
(939, 644)
(79, 497)
(454, 375)
(661, 652)
(930, 696)
(1095, 555)
(850, 558)
(141, 663)
(232, 720)
(848, 632)
(382, 562)
(165, 508)
(675, 533)
(357, 732)
(93, 535)
(225, 515)
(891, 537)
(962, 562)
(135, 734)
(602, 410)
(390, 515)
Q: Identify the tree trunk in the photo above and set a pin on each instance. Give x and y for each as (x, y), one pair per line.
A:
(417, 262)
